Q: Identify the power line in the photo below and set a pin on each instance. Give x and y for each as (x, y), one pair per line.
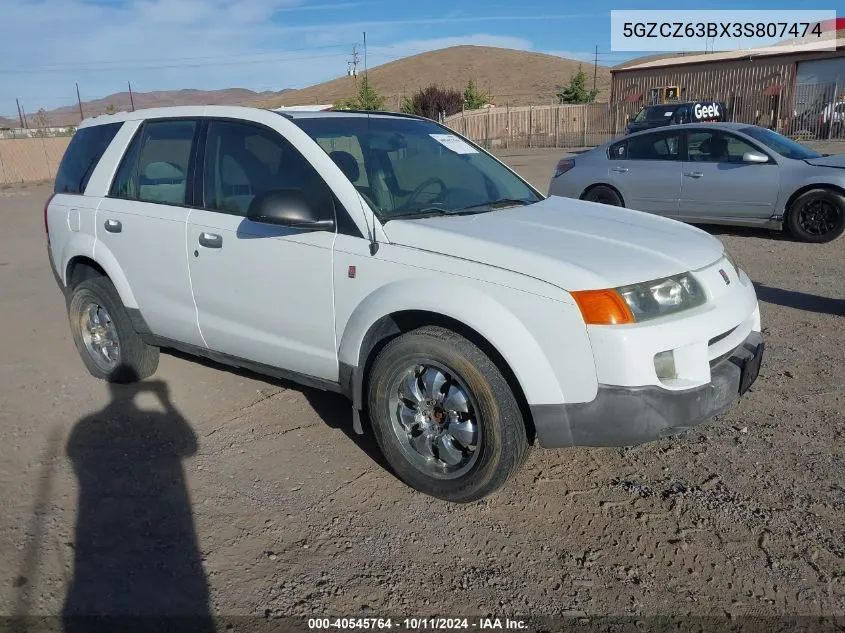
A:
(87, 68)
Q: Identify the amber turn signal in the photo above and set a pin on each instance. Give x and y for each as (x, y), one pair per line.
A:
(603, 307)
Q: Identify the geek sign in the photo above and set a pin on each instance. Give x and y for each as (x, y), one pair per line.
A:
(708, 111)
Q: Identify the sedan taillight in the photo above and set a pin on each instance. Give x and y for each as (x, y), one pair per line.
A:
(563, 166)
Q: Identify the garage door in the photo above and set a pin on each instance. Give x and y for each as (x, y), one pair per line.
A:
(822, 71)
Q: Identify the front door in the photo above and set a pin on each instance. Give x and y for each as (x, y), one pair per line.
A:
(717, 183)
(263, 292)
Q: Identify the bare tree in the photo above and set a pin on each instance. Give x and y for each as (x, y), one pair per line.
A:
(42, 121)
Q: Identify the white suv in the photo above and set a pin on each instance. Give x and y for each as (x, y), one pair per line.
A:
(385, 257)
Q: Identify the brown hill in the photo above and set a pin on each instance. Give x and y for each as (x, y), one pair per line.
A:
(69, 115)
(510, 76)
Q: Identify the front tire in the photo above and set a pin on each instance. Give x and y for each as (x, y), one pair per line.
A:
(817, 216)
(104, 336)
(444, 416)
(604, 195)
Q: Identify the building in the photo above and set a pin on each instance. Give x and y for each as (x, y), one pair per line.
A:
(782, 87)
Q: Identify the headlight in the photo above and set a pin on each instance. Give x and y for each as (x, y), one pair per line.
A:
(658, 298)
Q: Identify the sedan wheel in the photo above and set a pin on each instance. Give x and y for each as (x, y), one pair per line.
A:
(817, 216)
(604, 195)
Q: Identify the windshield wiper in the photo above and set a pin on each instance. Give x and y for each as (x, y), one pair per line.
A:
(420, 213)
(501, 203)
(473, 208)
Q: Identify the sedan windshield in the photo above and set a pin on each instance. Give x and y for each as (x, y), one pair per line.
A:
(408, 167)
(782, 145)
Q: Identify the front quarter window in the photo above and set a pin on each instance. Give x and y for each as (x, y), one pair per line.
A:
(410, 167)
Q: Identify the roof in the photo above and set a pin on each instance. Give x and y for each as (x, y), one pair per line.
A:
(719, 125)
(746, 53)
(233, 112)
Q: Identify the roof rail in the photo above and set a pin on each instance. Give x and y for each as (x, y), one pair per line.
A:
(404, 115)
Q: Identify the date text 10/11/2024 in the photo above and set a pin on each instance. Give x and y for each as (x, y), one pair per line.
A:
(416, 624)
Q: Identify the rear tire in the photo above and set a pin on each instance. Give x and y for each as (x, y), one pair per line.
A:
(444, 416)
(817, 216)
(104, 336)
(604, 195)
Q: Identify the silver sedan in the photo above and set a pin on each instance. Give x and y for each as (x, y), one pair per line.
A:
(714, 173)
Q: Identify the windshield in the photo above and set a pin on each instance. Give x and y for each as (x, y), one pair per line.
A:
(655, 113)
(779, 143)
(410, 167)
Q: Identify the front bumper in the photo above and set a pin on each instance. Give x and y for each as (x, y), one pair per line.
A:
(625, 416)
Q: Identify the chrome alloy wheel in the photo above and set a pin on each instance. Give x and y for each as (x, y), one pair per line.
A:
(99, 334)
(435, 419)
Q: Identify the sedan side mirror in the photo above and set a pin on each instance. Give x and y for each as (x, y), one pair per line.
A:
(754, 157)
(291, 207)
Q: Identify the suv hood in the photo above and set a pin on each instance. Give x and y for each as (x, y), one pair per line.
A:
(573, 244)
(835, 160)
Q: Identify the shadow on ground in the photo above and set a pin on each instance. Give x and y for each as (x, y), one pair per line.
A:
(800, 300)
(135, 545)
(333, 408)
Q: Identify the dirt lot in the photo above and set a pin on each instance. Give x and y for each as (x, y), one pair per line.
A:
(213, 492)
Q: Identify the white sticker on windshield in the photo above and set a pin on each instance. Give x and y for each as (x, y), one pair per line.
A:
(670, 113)
(457, 145)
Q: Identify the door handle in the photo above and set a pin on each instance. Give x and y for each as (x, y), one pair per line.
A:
(211, 240)
(694, 174)
(620, 170)
(113, 226)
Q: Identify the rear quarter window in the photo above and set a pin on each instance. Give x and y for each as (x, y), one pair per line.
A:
(85, 150)
(619, 151)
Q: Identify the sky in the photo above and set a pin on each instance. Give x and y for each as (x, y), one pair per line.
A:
(46, 46)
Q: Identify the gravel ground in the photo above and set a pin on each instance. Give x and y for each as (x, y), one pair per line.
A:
(209, 491)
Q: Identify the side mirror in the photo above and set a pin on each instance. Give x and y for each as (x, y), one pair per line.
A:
(291, 207)
(754, 157)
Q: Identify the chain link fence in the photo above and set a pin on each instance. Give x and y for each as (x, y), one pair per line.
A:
(817, 112)
(31, 159)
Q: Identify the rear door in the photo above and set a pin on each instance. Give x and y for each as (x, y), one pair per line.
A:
(716, 183)
(646, 169)
(143, 223)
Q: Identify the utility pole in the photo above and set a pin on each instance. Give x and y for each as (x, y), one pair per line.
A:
(131, 99)
(20, 116)
(79, 101)
(352, 65)
(595, 68)
(365, 58)
(23, 114)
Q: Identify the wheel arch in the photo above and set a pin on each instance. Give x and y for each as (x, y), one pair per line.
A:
(392, 325)
(602, 184)
(101, 262)
(809, 187)
(481, 317)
